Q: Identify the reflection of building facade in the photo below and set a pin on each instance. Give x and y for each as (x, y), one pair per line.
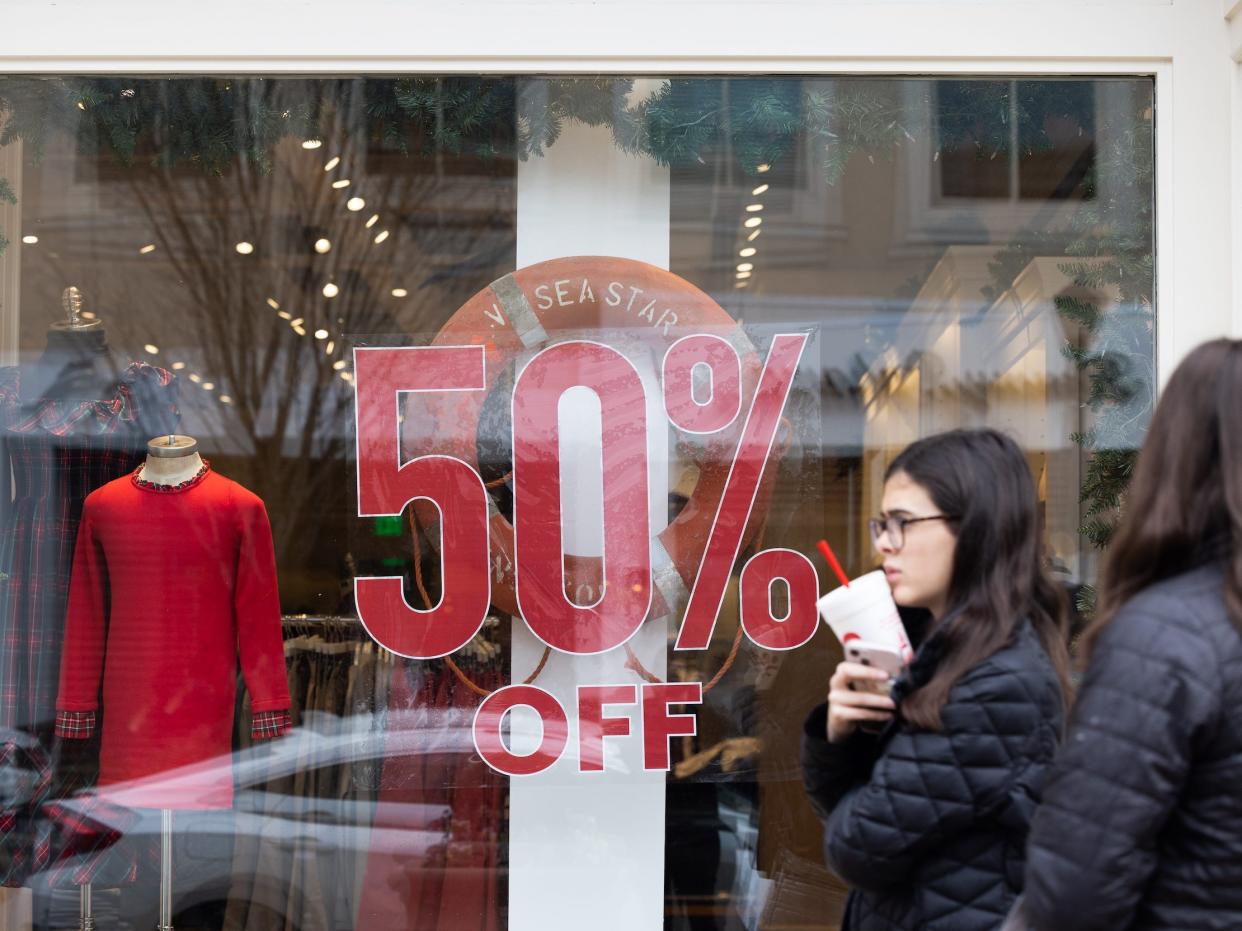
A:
(939, 196)
(971, 361)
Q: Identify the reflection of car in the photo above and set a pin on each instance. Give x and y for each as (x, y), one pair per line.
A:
(287, 808)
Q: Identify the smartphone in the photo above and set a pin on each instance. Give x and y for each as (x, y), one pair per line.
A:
(878, 655)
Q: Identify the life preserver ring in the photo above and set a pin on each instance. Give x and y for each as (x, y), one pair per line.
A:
(585, 296)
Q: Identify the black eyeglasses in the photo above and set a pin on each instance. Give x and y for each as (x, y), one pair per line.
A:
(895, 527)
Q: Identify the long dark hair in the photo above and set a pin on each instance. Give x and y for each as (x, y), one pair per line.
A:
(1188, 479)
(980, 478)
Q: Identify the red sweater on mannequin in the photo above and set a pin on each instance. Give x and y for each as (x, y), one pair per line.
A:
(171, 586)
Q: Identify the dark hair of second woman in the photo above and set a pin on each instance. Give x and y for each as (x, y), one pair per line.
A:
(1189, 480)
(981, 479)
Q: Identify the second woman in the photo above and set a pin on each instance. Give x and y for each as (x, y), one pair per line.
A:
(927, 818)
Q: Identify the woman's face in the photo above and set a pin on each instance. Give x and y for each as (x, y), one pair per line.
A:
(920, 571)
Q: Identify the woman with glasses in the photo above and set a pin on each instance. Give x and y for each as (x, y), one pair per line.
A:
(1141, 825)
(927, 789)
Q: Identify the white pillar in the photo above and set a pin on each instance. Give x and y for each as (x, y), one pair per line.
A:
(587, 850)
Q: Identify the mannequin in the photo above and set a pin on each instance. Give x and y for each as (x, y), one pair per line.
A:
(69, 423)
(173, 589)
(171, 460)
(76, 364)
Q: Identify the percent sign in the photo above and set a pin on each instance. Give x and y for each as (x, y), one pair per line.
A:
(737, 501)
(386, 485)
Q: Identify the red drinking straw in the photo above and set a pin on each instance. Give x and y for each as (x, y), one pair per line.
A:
(832, 561)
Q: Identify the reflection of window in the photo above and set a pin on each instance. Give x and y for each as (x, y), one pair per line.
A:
(1014, 140)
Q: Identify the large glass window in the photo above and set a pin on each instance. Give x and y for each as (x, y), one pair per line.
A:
(333, 406)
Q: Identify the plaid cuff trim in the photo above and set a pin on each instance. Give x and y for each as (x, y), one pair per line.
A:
(268, 724)
(75, 725)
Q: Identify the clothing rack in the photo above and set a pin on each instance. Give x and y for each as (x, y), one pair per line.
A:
(332, 624)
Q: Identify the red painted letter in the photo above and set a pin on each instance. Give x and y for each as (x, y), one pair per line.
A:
(551, 616)
(386, 486)
(721, 360)
(593, 727)
(489, 719)
(659, 725)
(801, 621)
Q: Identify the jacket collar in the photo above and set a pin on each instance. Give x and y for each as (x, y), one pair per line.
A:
(932, 645)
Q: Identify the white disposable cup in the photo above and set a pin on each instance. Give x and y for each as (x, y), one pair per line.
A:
(865, 610)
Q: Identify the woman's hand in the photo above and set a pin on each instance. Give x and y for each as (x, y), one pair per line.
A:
(852, 698)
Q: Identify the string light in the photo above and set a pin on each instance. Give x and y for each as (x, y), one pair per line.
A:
(400, 292)
(225, 399)
(244, 248)
(742, 275)
(747, 252)
(284, 315)
(208, 386)
(338, 364)
(762, 169)
(30, 240)
(330, 348)
(273, 303)
(745, 266)
(343, 183)
(147, 249)
(355, 204)
(178, 366)
(321, 334)
(761, 189)
(195, 377)
(374, 219)
(753, 222)
(312, 143)
(323, 246)
(381, 236)
(299, 329)
(331, 290)
(151, 349)
(332, 163)
(753, 208)
(753, 236)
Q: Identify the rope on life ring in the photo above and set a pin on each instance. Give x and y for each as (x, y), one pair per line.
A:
(514, 316)
(415, 533)
(635, 665)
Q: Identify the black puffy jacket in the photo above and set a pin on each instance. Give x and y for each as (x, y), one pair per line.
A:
(929, 827)
(1142, 822)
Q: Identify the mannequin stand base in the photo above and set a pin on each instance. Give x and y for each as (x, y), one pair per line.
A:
(86, 921)
(166, 835)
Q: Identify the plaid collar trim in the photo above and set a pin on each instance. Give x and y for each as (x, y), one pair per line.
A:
(180, 486)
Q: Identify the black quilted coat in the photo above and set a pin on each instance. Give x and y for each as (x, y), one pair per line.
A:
(1142, 822)
(929, 827)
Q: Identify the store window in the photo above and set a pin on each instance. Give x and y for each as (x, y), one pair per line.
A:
(415, 482)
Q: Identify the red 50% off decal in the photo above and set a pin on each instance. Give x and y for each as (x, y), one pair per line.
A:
(451, 382)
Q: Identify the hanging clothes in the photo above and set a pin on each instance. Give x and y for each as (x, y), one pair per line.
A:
(60, 451)
(338, 687)
(404, 824)
(453, 887)
(172, 586)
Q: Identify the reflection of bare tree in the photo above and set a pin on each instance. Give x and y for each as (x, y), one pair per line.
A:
(261, 328)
